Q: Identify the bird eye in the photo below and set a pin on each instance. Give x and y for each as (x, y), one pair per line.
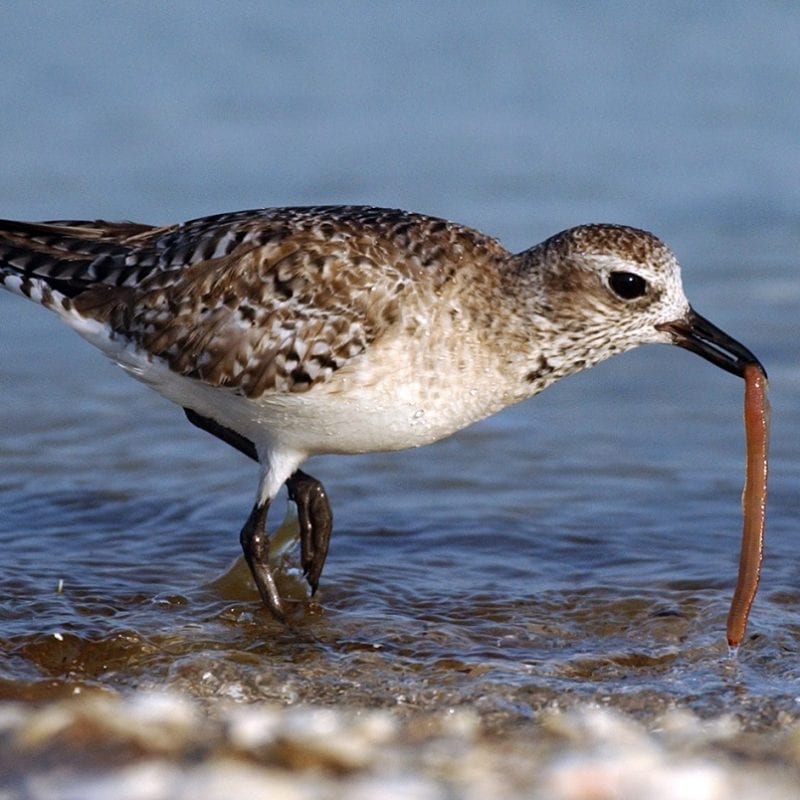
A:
(628, 285)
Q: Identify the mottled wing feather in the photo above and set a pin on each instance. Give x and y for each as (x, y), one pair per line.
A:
(95, 230)
(281, 317)
(273, 300)
(68, 255)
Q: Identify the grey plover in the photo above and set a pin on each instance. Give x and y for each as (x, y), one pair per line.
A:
(292, 332)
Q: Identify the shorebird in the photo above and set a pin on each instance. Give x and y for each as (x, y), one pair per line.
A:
(293, 332)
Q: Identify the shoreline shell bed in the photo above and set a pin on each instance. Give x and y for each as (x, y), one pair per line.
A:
(150, 745)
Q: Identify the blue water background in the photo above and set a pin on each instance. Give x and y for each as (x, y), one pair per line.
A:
(520, 119)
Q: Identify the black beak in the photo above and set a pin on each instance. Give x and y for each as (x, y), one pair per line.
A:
(697, 334)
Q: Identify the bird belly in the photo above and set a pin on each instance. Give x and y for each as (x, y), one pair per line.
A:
(390, 399)
(345, 415)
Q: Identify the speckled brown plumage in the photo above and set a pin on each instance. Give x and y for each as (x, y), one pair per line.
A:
(258, 301)
(291, 332)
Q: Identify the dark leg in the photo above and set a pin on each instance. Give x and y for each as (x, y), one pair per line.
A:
(235, 440)
(316, 522)
(313, 510)
(255, 544)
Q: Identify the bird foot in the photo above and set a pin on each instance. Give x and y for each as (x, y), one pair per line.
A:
(316, 523)
(255, 544)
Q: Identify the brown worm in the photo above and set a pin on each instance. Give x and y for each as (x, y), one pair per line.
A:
(754, 501)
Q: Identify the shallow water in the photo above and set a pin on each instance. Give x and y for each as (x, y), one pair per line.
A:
(578, 549)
